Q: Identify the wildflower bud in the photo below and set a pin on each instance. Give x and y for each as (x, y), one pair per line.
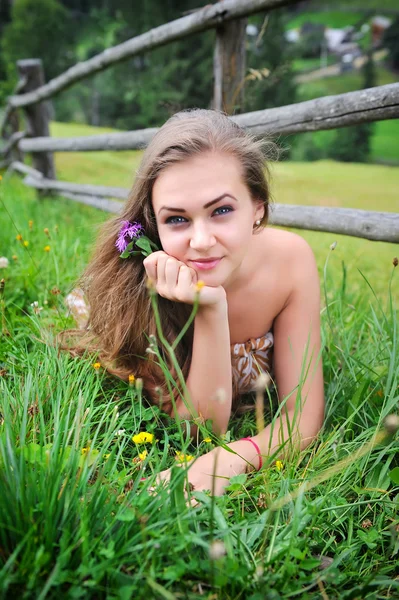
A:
(259, 572)
(30, 223)
(55, 291)
(56, 228)
(14, 257)
(26, 244)
(333, 245)
(366, 524)
(391, 424)
(150, 285)
(262, 382)
(395, 261)
(139, 384)
(199, 285)
(2, 286)
(19, 237)
(217, 550)
(46, 231)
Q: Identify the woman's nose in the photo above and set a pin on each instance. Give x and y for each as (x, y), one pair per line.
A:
(202, 238)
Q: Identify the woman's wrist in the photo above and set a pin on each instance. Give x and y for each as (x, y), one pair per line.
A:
(217, 309)
(248, 453)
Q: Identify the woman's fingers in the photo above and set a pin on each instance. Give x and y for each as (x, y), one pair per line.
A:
(172, 267)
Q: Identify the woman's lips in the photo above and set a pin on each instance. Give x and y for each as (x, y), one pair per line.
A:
(206, 265)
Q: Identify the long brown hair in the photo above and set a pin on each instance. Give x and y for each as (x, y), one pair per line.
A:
(121, 318)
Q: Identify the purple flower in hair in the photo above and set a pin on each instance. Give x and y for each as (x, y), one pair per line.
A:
(127, 233)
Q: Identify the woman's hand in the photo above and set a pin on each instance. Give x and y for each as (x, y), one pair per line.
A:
(176, 281)
(212, 471)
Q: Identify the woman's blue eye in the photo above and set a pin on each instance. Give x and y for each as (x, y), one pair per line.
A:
(174, 220)
(228, 208)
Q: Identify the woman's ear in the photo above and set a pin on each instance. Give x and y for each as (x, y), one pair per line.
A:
(260, 210)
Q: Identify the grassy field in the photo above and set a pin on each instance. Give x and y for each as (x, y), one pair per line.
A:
(76, 521)
(329, 18)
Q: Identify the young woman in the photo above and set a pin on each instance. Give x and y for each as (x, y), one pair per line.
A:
(202, 195)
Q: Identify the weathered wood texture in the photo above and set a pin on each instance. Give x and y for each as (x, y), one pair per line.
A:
(211, 16)
(37, 116)
(330, 112)
(229, 66)
(376, 226)
(371, 225)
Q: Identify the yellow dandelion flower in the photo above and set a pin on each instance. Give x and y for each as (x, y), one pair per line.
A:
(26, 244)
(143, 455)
(207, 440)
(279, 465)
(143, 438)
(1, 177)
(199, 285)
(96, 365)
(47, 248)
(181, 457)
(85, 450)
(19, 237)
(106, 456)
(30, 223)
(132, 379)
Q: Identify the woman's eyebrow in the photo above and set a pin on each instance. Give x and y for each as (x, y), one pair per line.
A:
(207, 205)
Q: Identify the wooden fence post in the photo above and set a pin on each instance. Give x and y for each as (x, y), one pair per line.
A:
(229, 66)
(38, 115)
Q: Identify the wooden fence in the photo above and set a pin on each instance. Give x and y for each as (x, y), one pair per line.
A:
(229, 18)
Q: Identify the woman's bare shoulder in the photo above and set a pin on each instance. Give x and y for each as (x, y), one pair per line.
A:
(280, 245)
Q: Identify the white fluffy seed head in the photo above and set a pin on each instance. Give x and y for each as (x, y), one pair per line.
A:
(217, 550)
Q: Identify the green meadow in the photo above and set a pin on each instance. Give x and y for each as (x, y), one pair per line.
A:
(77, 521)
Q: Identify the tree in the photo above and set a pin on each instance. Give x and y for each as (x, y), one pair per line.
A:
(38, 29)
(270, 50)
(391, 42)
(352, 144)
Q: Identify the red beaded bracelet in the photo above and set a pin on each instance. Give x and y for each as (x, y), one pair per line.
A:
(257, 450)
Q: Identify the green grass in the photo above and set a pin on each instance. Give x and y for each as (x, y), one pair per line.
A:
(335, 19)
(341, 84)
(75, 519)
(310, 64)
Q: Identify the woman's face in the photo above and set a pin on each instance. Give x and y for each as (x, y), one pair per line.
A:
(204, 211)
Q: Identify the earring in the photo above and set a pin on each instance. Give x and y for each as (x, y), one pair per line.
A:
(257, 222)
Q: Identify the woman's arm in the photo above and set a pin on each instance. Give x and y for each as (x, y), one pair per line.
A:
(297, 359)
(210, 369)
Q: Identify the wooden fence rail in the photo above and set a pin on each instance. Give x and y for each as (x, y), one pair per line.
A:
(329, 112)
